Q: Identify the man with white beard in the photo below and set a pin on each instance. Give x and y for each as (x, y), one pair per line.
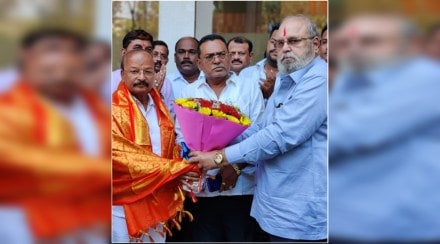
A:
(289, 144)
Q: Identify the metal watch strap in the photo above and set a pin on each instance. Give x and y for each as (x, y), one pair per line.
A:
(237, 170)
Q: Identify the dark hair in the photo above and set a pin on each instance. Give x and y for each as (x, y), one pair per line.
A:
(161, 43)
(31, 38)
(323, 30)
(274, 28)
(136, 34)
(241, 39)
(210, 37)
(185, 37)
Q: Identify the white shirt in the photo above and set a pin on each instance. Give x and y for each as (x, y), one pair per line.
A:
(8, 77)
(250, 101)
(178, 82)
(255, 73)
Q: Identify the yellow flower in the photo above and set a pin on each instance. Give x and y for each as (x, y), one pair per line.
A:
(189, 104)
(206, 111)
(218, 114)
(233, 119)
(244, 120)
(180, 101)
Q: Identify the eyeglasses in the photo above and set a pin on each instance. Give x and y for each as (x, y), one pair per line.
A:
(220, 55)
(291, 42)
(161, 56)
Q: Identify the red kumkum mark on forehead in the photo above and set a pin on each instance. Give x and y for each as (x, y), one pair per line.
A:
(284, 32)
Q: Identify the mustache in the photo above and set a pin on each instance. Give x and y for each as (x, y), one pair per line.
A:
(236, 61)
(288, 55)
(158, 62)
(186, 62)
(141, 82)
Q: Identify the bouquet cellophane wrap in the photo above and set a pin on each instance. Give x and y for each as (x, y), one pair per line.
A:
(206, 133)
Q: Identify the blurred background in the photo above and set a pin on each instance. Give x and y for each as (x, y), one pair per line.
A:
(384, 120)
(251, 19)
(55, 173)
(91, 18)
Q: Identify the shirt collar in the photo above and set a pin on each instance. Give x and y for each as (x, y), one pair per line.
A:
(233, 79)
(141, 106)
(297, 75)
(178, 76)
(261, 63)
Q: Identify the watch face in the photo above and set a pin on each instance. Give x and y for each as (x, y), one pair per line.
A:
(218, 158)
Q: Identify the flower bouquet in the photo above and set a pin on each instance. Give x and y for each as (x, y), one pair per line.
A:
(207, 125)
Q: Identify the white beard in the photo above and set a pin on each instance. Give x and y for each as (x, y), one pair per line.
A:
(287, 67)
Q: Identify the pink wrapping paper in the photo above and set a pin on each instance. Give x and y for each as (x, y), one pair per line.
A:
(206, 133)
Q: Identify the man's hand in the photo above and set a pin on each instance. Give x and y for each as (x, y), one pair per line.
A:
(205, 160)
(229, 178)
(160, 77)
(267, 85)
(188, 178)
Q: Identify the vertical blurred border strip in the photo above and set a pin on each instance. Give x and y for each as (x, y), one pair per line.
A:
(384, 121)
(28, 168)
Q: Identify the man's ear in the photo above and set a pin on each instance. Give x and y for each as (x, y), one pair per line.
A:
(123, 51)
(316, 43)
(199, 63)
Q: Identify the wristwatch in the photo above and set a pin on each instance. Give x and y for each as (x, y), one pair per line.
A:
(218, 159)
(237, 170)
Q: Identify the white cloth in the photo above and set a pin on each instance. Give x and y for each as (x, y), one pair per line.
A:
(178, 82)
(8, 77)
(14, 226)
(249, 99)
(254, 73)
(119, 225)
(116, 78)
(120, 232)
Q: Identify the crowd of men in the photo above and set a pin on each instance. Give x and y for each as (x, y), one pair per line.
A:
(273, 179)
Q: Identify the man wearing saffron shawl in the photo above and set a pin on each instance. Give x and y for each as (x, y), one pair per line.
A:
(147, 198)
(54, 165)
